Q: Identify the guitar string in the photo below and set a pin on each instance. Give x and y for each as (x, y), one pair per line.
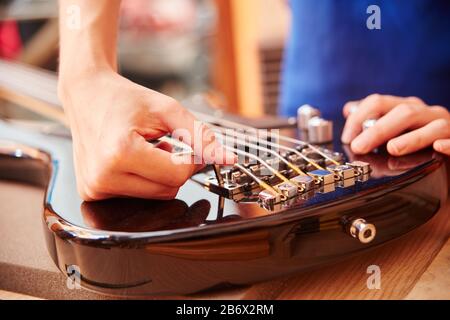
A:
(264, 149)
(276, 145)
(261, 183)
(226, 123)
(258, 159)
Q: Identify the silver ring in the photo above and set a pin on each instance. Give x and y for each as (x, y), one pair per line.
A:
(354, 108)
(369, 123)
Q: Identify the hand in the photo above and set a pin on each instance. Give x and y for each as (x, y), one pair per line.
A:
(111, 119)
(406, 124)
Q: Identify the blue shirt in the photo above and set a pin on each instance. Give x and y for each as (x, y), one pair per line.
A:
(332, 57)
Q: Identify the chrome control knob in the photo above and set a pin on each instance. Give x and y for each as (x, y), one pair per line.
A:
(304, 114)
(320, 130)
(363, 231)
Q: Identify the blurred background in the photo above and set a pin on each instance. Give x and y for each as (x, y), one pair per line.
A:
(230, 49)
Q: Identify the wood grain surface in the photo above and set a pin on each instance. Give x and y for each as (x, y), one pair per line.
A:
(435, 281)
(6, 295)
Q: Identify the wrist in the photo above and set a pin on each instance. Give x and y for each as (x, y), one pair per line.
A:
(74, 80)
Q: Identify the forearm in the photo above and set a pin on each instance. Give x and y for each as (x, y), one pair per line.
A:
(90, 46)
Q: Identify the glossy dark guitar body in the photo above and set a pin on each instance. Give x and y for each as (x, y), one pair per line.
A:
(131, 247)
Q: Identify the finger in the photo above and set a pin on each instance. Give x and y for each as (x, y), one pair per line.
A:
(420, 138)
(350, 107)
(181, 123)
(395, 122)
(89, 195)
(166, 146)
(442, 146)
(158, 165)
(129, 185)
(371, 107)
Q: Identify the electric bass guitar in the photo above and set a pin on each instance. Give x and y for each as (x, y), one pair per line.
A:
(292, 207)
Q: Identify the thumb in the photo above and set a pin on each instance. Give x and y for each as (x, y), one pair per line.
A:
(185, 127)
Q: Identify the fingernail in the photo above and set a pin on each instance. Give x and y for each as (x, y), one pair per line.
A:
(347, 136)
(353, 108)
(396, 147)
(359, 145)
(438, 147)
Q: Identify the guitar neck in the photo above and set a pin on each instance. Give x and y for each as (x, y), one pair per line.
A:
(32, 88)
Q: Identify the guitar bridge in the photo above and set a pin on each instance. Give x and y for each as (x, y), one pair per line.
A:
(279, 171)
